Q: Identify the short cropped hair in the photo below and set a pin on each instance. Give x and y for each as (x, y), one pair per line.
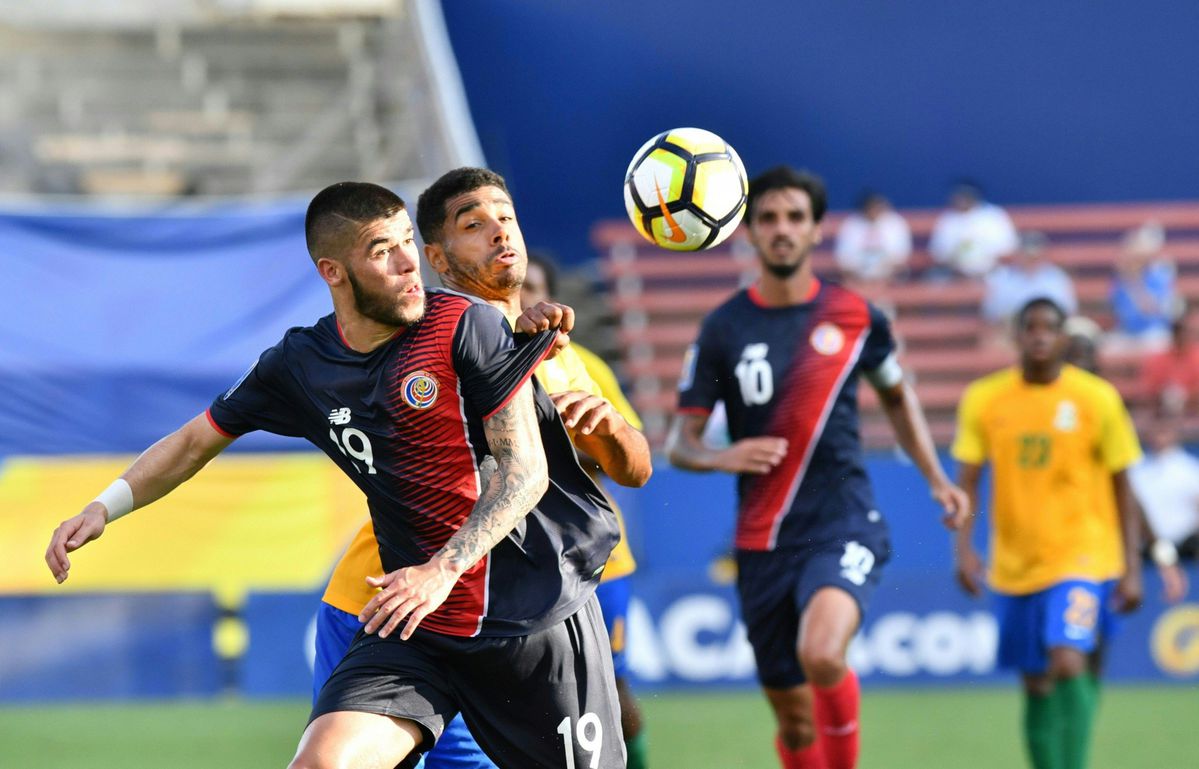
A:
(786, 177)
(357, 202)
(1040, 301)
(430, 206)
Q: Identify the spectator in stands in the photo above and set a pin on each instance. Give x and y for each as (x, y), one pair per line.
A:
(1082, 343)
(873, 243)
(1171, 376)
(1166, 483)
(970, 237)
(1026, 275)
(1143, 295)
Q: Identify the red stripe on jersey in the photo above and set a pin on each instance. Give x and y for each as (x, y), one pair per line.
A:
(810, 389)
(693, 411)
(218, 428)
(433, 455)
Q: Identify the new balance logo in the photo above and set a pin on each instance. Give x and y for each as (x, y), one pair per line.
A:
(339, 416)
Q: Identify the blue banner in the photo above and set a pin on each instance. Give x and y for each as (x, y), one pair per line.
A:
(115, 328)
(108, 646)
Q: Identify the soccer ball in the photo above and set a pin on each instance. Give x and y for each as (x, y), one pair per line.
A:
(685, 189)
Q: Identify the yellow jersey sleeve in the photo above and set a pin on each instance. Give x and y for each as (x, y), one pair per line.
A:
(1118, 443)
(969, 442)
(601, 373)
(566, 371)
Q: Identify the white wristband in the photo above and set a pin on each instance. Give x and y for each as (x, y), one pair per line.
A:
(117, 499)
(1163, 553)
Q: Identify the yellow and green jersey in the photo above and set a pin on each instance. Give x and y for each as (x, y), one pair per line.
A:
(1052, 449)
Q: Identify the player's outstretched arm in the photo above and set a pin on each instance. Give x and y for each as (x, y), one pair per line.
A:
(967, 565)
(911, 431)
(686, 449)
(599, 430)
(159, 469)
(520, 479)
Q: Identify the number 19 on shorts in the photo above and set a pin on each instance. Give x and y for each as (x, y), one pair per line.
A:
(590, 734)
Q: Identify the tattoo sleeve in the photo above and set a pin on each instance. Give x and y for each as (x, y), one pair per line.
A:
(517, 480)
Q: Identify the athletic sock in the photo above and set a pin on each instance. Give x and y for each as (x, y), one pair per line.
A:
(1076, 711)
(1043, 731)
(638, 753)
(811, 757)
(837, 721)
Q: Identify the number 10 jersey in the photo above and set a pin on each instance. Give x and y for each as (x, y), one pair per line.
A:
(792, 372)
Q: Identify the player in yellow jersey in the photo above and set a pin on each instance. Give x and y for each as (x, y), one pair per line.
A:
(595, 426)
(614, 591)
(1064, 528)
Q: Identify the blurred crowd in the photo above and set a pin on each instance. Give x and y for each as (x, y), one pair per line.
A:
(1146, 319)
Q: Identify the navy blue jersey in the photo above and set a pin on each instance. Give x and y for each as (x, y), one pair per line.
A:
(791, 372)
(405, 422)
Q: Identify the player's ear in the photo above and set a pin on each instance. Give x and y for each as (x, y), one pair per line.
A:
(819, 234)
(331, 271)
(435, 255)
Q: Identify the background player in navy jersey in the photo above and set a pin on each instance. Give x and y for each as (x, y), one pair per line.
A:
(784, 356)
(491, 535)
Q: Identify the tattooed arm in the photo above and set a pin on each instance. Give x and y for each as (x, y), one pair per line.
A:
(518, 480)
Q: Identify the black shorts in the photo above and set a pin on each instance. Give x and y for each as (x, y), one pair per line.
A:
(527, 699)
(776, 585)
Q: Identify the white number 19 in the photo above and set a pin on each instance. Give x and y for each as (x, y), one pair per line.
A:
(362, 452)
(590, 733)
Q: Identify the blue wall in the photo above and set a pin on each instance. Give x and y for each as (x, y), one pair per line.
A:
(1041, 102)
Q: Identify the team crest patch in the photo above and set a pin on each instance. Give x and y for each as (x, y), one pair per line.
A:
(827, 339)
(419, 389)
(1066, 418)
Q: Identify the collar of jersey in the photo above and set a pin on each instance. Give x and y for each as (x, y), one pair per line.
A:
(755, 295)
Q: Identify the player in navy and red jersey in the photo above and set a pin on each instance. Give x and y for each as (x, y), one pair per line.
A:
(784, 356)
(491, 535)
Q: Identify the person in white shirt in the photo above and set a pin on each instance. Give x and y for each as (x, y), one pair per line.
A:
(1026, 276)
(874, 242)
(1166, 483)
(972, 235)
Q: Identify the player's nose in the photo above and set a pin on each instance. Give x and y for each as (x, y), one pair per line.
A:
(405, 261)
(500, 234)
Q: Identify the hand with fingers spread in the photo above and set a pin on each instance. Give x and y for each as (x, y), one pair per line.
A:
(955, 503)
(547, 315)
(73, 534)
(414, 592)
(586, 413)
(756, 456)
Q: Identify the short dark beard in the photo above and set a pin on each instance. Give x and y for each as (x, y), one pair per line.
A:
(379, 307)
(783, 271)
(464, 272)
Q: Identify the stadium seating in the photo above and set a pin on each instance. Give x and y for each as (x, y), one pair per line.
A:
(659, 298)
(219, 105)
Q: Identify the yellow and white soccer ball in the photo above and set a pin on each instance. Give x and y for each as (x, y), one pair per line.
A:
(686, 189)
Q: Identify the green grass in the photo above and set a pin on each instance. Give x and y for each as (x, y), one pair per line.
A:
(1138, 728)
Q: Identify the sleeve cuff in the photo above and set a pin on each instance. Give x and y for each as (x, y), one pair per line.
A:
(218, 428)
